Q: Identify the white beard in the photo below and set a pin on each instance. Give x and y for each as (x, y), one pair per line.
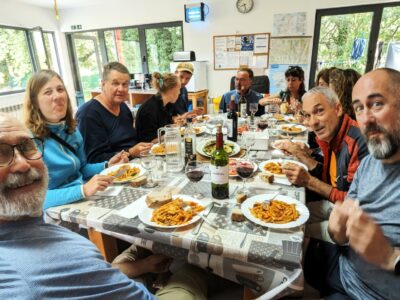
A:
(26, 204)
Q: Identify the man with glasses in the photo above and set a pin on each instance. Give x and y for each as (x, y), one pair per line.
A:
(343, 147)
(45, 261)
(243, 80)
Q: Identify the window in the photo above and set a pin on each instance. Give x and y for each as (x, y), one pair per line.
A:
(142, 49)
(22, 52)
(15, 61)
(354, 37)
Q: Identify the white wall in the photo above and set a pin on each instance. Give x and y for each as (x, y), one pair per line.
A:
(16, 14)
(222, 19)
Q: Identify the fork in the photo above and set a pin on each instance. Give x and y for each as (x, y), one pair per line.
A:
(265, 203)
(187, 208)
(122, 170)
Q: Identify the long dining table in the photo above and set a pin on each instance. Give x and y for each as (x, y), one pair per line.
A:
(265, 261)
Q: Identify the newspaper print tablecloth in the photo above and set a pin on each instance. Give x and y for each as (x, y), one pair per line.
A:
(268, 261)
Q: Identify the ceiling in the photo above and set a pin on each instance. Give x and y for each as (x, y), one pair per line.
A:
(62, 4)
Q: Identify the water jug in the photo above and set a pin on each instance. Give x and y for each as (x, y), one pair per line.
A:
(172, 142)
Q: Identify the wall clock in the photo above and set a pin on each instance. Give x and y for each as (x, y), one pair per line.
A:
(244, 6)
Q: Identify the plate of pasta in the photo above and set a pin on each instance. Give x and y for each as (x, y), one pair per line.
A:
(281, 213)
(292, 128)
(182, 211)
(131, 173)
(274, 166)
(157, 149)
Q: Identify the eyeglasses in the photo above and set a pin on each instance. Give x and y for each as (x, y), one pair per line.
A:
(30, 148)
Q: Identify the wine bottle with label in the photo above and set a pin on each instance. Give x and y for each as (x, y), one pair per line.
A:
(219, 168)
(243, 106)
(190, 141)
(232, 121)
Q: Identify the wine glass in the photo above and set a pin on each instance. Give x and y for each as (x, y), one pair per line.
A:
(148, 162)
(253, 107)
(244, 168)
(194, 171)
(248, 140)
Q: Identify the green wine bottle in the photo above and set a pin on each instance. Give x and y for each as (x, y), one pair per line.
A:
(219, 168)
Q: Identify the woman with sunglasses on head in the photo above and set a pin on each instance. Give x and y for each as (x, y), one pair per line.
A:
(290, 99)
(48, 114)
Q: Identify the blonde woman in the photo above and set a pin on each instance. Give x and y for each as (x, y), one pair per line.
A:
(48, 114)
(156, 112)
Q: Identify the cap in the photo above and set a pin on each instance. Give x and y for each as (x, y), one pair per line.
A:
(185, 66)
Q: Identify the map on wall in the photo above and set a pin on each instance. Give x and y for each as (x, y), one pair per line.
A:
(289, 24)
(290, 50)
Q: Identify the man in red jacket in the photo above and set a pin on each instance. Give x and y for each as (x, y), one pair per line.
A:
(342, 147)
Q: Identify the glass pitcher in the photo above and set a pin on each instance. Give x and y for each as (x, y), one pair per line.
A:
(172, 142)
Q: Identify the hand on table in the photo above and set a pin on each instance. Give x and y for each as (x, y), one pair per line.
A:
(135, 150)
(296, 174)
(119, 158)
(96, 183)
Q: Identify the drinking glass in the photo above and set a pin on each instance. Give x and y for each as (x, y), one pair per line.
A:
(195, 171)
(253, 107)
(262, 124)
(248, 140)
(148, 162)
(244, 168)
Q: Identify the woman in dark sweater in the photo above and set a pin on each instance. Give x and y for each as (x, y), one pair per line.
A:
(155, 112)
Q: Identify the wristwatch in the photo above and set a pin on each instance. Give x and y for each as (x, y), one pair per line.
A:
(397, 266)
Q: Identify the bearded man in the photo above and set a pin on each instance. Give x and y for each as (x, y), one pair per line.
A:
(369, 219)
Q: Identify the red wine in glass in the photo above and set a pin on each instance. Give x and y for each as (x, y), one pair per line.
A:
(195, 175)
(262, 125)
(245, 171)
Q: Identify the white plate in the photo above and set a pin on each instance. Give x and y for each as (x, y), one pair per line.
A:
(203, 118)
(214, 131)
(303, 128)
(293, 140)
(291, 119)
(281, 162)
(235, 159)
(132, 165)
(200, 146)
(199, 131)
(301, 208)
(153, 147)
(146, 214)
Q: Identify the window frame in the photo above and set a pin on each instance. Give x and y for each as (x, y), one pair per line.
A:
(376, 9)
(103, 50)
(33, 56)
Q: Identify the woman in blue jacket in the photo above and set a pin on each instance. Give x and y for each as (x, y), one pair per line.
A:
(48, 114)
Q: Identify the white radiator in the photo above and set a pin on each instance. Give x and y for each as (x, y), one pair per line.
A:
(14, 110)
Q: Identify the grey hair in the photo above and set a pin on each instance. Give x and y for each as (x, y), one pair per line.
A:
(329, 95)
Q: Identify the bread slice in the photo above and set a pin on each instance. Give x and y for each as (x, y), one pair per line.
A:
(237, 215)
(138, 181)
(267, 177)
(156, 198)
(240, 198)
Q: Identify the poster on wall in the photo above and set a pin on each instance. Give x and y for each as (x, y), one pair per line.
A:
(290, 50)
(247, 42)
(289, 24)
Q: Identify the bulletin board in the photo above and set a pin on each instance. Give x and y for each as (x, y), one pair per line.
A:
(232, 52)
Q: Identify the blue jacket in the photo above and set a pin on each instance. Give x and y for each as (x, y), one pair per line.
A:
(67, 172)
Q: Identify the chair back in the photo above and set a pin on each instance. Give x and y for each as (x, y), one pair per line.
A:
(260, 84)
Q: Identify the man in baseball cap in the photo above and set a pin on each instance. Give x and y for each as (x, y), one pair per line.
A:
(184, 71)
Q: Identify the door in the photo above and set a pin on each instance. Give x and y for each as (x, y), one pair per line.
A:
(87, 62)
